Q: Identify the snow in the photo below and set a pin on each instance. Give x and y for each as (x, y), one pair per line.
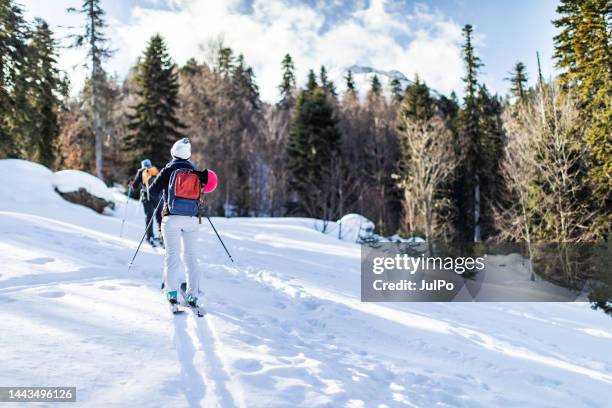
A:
(26, 182)
(68, 181)
(285, 325)
(351, 228)
(363, 76)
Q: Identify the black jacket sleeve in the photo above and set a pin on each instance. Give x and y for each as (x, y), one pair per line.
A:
(137, 182)
(161, 182)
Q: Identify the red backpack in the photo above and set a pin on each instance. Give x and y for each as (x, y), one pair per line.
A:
(187, 185)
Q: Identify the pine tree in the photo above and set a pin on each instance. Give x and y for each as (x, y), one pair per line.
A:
(468, 180)
(314, 143)
(326, 84)
(311, 84)
(97, 50)
(154, 125)
(225, 62)
(287, 86)
(518, 80)
(582, 51)
(13, 37)
(244, 82)
(46, 89)
(472, 64)
(491, 148)
(350, 82)
(449, 108)
(191, 67)
(396, 89)
(417, 104)
(323, 76)
(375, 86)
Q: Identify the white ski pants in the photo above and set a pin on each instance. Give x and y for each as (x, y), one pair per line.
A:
(180, 238)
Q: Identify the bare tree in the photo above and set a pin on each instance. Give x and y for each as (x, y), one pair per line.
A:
(225, 121)
(430, 162)
(543, 173)
(276, 122)
(381, 152)
(370, 151)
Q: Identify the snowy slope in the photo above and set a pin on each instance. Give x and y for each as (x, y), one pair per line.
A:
(285, 326)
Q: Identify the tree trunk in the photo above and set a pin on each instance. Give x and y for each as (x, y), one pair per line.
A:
(97, 128)
(95, 61)
(477, 236)
(428, 225)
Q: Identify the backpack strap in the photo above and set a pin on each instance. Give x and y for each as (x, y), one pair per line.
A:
(182, 163)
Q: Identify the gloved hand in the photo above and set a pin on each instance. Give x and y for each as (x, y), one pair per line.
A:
(202, 175)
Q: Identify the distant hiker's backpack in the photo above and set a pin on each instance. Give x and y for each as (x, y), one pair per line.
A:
(148, 175)
(184, 192)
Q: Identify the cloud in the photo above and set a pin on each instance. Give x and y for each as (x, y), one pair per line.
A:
(377, 33)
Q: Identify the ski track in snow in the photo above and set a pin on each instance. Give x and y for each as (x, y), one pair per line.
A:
(204, 378)
(284, 326)
(300, 290)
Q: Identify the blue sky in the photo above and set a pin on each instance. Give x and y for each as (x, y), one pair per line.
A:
(411, 36)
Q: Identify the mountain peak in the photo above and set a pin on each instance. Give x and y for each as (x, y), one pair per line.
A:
(393, 74)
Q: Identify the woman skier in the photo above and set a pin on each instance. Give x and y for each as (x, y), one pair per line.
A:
(181, 186)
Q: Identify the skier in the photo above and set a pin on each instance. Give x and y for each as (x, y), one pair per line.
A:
(145, 176)
(181, 186)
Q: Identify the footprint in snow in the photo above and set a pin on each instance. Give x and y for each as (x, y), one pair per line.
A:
(545, 381)
(251, 340)
(248, 365)
(52, 294)
(40, 261)
(311, 304)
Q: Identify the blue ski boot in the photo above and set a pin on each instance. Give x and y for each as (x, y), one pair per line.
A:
(172, 296)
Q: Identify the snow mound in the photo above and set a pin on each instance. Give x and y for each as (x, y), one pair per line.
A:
(353, 228)
(68, 181)
(26, 183)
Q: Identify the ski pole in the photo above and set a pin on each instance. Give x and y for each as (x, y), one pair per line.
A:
(220, 240)
(125, 212)
(144, 235)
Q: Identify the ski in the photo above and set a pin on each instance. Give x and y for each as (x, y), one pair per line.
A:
(197, 310)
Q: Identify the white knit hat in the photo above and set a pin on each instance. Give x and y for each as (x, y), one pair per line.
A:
(181, 149)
